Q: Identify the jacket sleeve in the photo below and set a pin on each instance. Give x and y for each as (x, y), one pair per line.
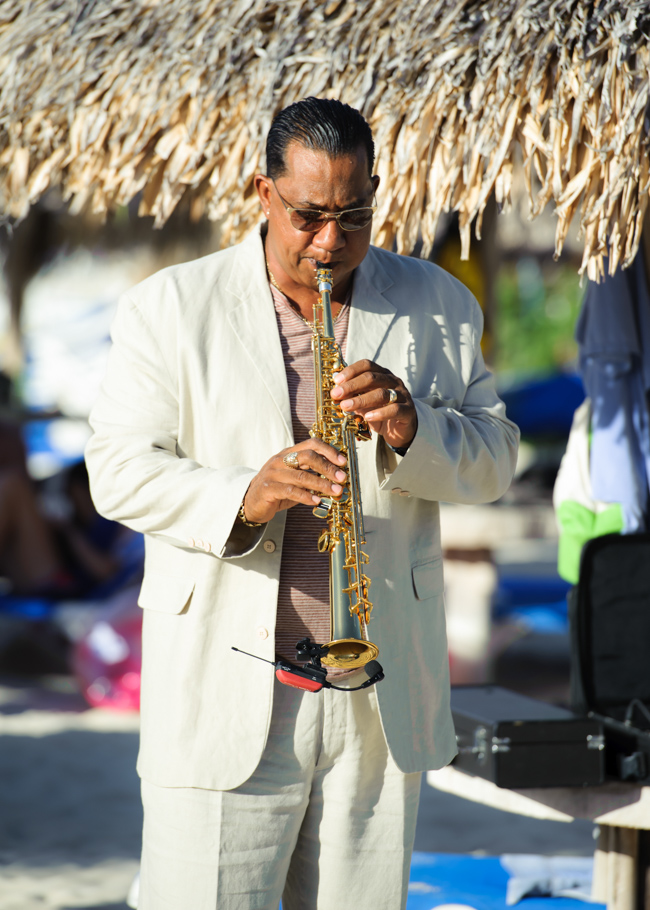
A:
(137, 474)
(464, 451)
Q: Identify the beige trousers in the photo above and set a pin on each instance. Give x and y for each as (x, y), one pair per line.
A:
(326, 822)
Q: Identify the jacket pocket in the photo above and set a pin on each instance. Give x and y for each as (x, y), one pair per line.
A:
(165, 593)
(428, 579)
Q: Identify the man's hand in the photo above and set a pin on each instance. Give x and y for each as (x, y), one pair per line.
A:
(363, 388)
(278, 486)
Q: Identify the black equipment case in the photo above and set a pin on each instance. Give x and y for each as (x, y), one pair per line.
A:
(609, 621)
(519, 742)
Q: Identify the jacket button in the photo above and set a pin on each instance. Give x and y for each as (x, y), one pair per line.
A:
(396, 490)
(269, 546)
(262, 632)
(199, 543)
(207, 546)
(404, 493)
(191, 541)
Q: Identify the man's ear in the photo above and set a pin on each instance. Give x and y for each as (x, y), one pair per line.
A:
(263, 187)
(376, 180)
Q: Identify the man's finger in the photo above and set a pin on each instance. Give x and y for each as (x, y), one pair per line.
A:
(398, 413)
(377, 398)
(355, 369)
(366, 381)
(314, 462)
(295, 492)
(328, 452)
(306, 480)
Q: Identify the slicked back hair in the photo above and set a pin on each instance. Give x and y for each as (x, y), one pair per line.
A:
(321, 124)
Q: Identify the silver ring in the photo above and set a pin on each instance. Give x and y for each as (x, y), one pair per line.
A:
(291, 460)
(392, 395)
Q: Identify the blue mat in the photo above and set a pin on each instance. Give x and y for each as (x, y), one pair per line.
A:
(479, 882)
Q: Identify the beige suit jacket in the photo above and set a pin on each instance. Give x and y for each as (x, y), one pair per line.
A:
(194, 402)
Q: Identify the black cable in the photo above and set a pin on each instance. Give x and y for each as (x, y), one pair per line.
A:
(373, 669)
(629, 711)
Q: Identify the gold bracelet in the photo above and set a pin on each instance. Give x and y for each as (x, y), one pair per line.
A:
(242, 517)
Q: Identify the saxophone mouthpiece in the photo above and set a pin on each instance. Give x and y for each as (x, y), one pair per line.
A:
(323, 277)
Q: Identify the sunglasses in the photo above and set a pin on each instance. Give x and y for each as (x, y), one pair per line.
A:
(312, 220)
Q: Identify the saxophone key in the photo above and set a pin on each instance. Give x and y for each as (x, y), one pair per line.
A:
(322, 510)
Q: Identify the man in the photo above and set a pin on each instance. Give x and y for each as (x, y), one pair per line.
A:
(253, 790)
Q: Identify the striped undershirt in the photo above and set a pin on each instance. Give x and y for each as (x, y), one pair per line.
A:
(303, 597)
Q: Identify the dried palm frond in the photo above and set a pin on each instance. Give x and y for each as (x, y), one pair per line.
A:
(111, 98)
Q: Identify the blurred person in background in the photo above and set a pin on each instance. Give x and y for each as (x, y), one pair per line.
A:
(254, 791)
(44, 554)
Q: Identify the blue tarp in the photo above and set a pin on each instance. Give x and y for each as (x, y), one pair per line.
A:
(537, 602)
(478, 882)
(613, 332)
(544, 406)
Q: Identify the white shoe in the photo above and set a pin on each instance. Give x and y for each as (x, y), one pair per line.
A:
(134, 892)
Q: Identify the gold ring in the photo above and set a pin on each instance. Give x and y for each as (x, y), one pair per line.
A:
(392, 395)
(291, 460)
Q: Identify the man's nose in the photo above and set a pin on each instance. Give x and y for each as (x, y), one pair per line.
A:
(330, 237)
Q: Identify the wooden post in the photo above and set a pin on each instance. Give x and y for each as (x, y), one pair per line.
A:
(615, 868)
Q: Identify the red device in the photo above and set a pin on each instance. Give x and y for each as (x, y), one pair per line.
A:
(297, 677)
(312, 677)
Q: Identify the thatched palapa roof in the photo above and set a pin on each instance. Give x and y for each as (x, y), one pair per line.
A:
(172, 98)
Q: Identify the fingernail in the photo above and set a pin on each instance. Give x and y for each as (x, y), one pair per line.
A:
(316, 499)
(336, 488)
(347, 404)
(342, 459)
(336, 377)
(336, 393)
(340, 476)
(370, 416)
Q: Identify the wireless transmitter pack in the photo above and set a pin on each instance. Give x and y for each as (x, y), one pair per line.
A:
(312, 677)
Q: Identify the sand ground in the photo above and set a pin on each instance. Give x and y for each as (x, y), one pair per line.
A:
(70, 816)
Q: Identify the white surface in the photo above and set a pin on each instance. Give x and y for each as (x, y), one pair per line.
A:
(449, 780)
(468, 596)
(552, 876)
(67, 312)
(495, 526)
(623, 805)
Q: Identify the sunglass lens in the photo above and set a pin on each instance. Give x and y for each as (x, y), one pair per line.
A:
(355, 220)
(306, 220)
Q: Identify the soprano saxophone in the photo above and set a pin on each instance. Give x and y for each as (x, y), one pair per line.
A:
(343, 538)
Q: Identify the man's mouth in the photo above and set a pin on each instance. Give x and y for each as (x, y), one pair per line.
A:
(326, 262)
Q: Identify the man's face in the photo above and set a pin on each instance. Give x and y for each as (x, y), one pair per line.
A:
(314, 180)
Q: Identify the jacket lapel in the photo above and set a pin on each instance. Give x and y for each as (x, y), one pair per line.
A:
(254, 323)
(371, 313)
